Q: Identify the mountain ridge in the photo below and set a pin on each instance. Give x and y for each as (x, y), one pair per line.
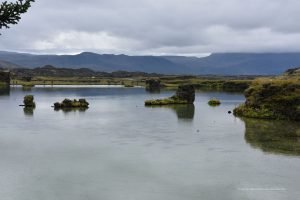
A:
(214, 64)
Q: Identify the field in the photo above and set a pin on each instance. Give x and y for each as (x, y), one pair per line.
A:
(200, 82)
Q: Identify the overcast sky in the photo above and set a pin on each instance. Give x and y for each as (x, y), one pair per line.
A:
(139, 27)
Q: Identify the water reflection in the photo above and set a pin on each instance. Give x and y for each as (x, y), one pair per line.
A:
(27, 88)
(183, 111)
(153, 91)
(68, 110)
(28, 111)
(4, 91)
(273, 136)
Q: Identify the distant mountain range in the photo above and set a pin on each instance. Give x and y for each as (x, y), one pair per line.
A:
(216, 64)
(8, 65)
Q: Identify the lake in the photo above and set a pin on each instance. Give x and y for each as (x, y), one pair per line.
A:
(118, 149)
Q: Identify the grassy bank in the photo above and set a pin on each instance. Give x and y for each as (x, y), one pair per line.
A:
(169, 82)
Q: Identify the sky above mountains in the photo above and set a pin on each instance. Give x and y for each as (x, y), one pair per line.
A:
(156, 27)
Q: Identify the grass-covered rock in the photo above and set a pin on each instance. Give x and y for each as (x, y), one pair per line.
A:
(67, 103)
(29, 101)
(214, 102)
(185, 94)
(271, 100)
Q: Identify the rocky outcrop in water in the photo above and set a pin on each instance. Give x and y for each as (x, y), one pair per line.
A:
(29, 101)
(214, 102)
(67, 104)
(153, 85)
(185, 94)
(271, 100)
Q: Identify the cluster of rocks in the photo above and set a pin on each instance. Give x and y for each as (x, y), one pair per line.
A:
(185, 94)
(67, 103)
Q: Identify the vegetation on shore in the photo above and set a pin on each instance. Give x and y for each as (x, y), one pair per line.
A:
(277, 98)
(49, 75)
(185, 94)
(129, 86)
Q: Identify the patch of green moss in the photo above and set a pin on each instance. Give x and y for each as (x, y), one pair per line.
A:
(167, 101)
(214, 102)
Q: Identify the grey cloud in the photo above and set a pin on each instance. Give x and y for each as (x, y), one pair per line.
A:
(156, 26)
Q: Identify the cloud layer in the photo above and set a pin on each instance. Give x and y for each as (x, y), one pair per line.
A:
(181, 27)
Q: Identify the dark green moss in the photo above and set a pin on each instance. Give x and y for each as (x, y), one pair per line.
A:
(277, 100)
(29, 101)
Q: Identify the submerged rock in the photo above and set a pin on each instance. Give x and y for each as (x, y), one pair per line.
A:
(67, 103)
(185, 94)
(29, 101)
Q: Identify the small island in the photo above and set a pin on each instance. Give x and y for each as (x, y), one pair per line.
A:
(185, 94)
(29, 101)
(67, 104)
(214, 102)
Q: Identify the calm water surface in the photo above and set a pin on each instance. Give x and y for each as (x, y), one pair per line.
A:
(120, 150)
